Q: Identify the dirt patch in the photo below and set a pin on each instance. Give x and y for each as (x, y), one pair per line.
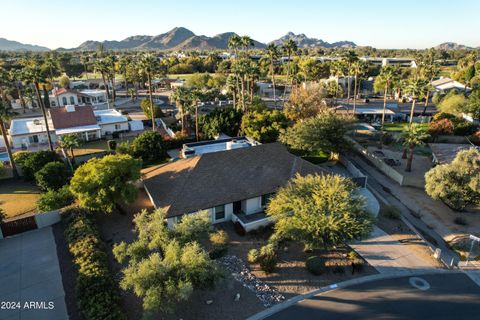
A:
(68, 271)
(403, 234)
(291, 277)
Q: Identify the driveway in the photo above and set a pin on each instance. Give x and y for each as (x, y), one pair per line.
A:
(30, 280)
(387, 255)
(443, 296)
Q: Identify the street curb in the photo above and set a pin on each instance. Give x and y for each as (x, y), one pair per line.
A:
(290, 302)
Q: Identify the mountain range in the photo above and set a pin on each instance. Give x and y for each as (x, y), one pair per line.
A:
(10, 45)
(181, 38)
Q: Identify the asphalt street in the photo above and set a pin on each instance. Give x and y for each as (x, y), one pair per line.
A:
(448, 296)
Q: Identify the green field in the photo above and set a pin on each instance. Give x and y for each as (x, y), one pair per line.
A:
(399, 127)
(18, 197)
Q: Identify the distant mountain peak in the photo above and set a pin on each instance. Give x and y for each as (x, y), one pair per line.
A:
(452, 46)
(305, 42)
(10, 45)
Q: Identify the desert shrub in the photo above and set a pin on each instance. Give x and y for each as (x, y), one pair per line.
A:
(219, 238)
(443, 115)
(252, 256)
(96, 292)
(53, 175)
(124, 148)
(440, 127)
(353, 255)
(463, 128)
(112, 145)
(268, 258)
(3, 170)
(391, 212)
(31, 162)
(55, 199)
(315, 265)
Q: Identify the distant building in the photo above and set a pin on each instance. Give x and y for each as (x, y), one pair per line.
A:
(446, 84)
(83, 121)
(63, 97)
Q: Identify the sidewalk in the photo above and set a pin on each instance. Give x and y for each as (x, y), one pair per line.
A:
(389, 256)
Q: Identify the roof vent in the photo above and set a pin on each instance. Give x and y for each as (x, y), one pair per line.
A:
(36, 122)
(70, 108)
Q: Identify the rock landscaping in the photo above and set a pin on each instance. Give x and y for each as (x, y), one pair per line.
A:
(267, 295)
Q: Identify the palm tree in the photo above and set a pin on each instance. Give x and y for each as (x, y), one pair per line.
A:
(148, 66)
(181, 98)
(52, 67)
(359, 68)
(85, 60)
(122, 68)
(272, 52)
(112, 59)
(194, 99)
(15, 76)
(387, 76)
(68, 142)
(416, 89)
(411, 138)
(289, 47)
(349, 59)
(429, 70)
(234, 43)
(246, 43)
(337, 68)
(6, 113)
(241, 69)
(102, 66)
(253, 73)
(232, 87)
(35, 75)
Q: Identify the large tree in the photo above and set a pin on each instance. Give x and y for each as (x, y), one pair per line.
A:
(473, 104)
(416, 88)
(457, 183)
(325, 132)
(264, 125)
(289, 48)
(319, 210)
(102, 183)
(305, 103)
(165, 266)
(225, 120)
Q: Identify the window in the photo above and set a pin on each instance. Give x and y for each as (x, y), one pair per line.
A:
(72, 100)
(219, 212)
(52, 103)
(64, 101)
(266, 199)
(118, 127)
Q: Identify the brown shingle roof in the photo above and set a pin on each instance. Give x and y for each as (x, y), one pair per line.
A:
(212, 179)
(82, 116)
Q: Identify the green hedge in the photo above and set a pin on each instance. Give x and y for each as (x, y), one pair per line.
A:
(96, 292)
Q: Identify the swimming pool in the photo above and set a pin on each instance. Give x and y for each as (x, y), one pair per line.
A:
(4, 157)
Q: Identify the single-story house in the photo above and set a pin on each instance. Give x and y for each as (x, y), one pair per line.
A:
(232, 185)
(80, 120)
(446, 84)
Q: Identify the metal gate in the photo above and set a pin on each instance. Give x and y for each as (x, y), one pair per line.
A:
(13, 227)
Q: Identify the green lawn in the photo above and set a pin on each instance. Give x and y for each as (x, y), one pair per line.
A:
(398, 127)
(18, 197)
(95, 146)
(316, 157)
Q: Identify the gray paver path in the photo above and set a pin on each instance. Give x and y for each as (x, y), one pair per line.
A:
(30, 273)
(387, 255)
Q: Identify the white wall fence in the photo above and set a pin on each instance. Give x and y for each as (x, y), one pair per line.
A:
(42, 220)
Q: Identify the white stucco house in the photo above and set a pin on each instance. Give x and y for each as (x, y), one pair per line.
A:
(63, 97)
(80, 120)
(445, 84)
(232, 185)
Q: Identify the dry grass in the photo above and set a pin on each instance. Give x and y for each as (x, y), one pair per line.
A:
(18, 197)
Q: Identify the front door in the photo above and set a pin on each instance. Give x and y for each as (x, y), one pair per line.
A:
(237, 207)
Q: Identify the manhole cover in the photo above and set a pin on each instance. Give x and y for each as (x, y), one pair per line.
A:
(419, 283)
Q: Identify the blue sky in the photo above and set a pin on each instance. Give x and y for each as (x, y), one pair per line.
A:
(382, 24)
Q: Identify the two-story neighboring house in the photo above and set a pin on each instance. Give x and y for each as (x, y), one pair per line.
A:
(233, 185)
(63, 97)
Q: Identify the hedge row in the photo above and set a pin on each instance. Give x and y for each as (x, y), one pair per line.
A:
(96, 292)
